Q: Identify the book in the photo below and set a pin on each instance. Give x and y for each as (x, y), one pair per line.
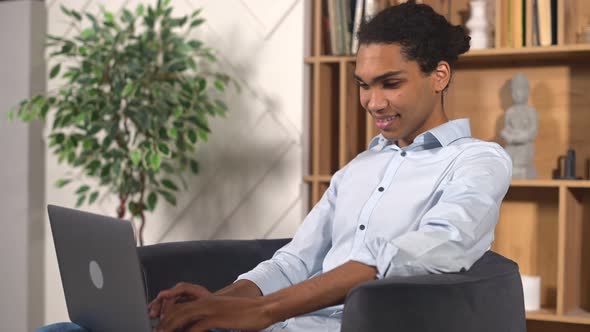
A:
(544, 18)
(358, 18)
(346, 22)
(554, 22)
(332, 22)
(535, 27)
(528, 23)
(517, 23)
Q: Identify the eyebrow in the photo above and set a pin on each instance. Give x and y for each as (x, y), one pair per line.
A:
(381, 77)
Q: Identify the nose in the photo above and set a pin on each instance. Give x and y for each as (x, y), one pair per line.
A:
(377, 101)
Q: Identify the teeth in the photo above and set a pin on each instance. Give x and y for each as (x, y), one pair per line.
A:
(387, 119)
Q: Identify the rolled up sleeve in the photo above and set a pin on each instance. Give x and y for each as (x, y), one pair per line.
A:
(458, 229)
(303, 256)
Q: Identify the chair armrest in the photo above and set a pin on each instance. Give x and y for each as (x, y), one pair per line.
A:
(487, 299)
(213, 264)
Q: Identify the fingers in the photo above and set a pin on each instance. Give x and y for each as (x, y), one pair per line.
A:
(181, 316)
(166, 306)
(190, 291)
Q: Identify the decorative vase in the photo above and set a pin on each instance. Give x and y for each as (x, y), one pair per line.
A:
(478, 25)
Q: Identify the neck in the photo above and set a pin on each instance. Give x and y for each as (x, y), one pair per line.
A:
(436, 118)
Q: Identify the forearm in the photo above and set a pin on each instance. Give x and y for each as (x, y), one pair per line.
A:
(240, 288)
(319, 292)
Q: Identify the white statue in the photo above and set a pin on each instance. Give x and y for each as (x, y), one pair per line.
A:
(478, 25)
(520, 129)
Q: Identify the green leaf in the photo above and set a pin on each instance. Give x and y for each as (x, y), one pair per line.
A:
(155, 161)
(93, 197)
(202, 84)
(127, 16)
(76, 15)
(195, 44)
(108, 16)
(197, 22)
(164, 148)
(136, 157)
(194, 166)
(169, 184)
(54, 71)
(133, 208)
(169, 197)
(10, 115)
(173, 132)
(219, 85)
(65, 10)
(80, 200)
(139, 10)
(87, 33)
(196, 12)
(87, 145)
(82, 189)
(152, 200)
(128, 89)
(203, 135)
(62, 182)
(192, 136)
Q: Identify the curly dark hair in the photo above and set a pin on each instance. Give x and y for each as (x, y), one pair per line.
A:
(424, 36)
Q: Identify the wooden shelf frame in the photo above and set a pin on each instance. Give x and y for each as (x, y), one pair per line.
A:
(564, 205)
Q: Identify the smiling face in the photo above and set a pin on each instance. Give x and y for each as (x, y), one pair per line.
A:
(403, 101)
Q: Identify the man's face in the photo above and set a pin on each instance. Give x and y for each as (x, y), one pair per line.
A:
(403, 101)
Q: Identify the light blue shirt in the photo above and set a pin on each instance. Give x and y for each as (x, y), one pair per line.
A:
(430, 207)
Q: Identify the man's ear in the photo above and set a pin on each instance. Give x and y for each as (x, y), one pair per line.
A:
(442, 76)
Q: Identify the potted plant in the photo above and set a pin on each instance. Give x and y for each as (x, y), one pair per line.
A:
(135, 102)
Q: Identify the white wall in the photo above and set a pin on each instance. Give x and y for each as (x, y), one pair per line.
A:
(22, 72)
(250, 184)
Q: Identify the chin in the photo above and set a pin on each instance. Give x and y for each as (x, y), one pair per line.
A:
(390, 136)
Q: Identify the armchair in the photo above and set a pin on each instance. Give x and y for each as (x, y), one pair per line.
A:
(487, 298)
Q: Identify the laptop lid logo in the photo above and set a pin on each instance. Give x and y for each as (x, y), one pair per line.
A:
(96, 275)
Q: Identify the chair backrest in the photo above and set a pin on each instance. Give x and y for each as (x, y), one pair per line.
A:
(213, 264)
(487, 298)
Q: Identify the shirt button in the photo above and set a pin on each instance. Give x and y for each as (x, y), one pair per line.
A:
(362, 227)
(381, 189)
(403, 153)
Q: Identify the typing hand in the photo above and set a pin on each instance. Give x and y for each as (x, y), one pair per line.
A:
(216, 312)
(180, 293)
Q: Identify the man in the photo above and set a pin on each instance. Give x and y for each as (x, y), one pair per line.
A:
(424, 198)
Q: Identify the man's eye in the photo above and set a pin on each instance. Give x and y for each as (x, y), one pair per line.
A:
(391, 85)
(363, 86)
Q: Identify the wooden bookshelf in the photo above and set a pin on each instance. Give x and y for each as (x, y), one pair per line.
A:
(544, 224)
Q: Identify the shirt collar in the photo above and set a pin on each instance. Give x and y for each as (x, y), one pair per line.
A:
(444, 134)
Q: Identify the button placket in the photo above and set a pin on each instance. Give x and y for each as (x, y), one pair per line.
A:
(365, 216)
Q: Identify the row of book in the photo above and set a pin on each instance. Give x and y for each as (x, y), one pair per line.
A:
(518, 23)
(526, 23)
(342, 19)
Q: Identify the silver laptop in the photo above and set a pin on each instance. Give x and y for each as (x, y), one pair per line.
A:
(100, 271)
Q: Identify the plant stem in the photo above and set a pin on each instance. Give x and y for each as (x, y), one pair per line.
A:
(121, 208)
(141, 207)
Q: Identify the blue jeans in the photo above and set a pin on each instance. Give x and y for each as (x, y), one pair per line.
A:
(71, 327)
(61, 327)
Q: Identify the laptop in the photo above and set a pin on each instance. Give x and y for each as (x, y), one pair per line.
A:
(100, 271)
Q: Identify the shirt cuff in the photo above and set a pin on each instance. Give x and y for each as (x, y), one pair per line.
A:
(267, 280)
(378, 253)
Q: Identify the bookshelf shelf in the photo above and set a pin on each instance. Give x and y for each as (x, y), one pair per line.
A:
(557, 52)
(544, 224)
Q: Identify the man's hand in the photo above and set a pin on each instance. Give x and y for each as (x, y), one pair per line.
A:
(218, 311)
(182, 292)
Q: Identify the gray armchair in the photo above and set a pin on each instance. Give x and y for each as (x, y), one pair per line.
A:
(488, 297)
